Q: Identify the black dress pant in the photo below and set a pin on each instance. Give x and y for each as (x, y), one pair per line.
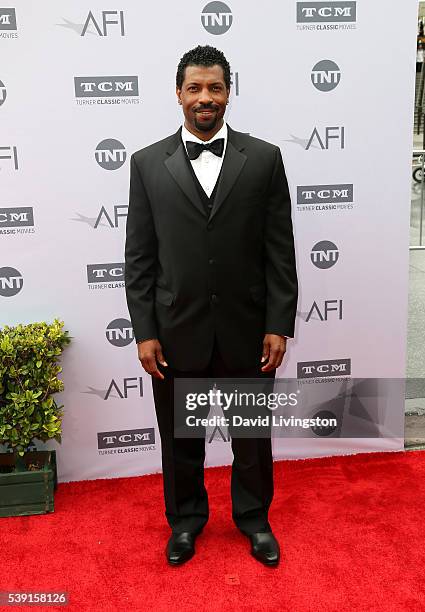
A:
(186, 499)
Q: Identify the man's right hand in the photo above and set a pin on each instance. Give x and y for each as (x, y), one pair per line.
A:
(150, 351)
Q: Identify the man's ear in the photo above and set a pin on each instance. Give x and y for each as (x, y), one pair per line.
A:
(178, 94)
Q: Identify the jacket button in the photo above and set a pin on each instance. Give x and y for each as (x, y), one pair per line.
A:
(209, 226)
(211, 261)
(214, 297)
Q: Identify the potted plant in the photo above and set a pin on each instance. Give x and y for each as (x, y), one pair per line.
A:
(29, 368)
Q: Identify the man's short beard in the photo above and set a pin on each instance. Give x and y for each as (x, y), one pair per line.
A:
(206, 127)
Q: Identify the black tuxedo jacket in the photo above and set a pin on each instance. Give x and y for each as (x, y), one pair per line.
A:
(188, 276)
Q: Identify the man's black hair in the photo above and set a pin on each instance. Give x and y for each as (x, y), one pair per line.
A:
(203, 56)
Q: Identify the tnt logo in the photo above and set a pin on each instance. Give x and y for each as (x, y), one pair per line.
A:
(216, 18)
(11, 282)
(120, 332)
(324, 254)
(328, 425)
(325, 75)
(7, 19)
(3, 93)
(110, 154)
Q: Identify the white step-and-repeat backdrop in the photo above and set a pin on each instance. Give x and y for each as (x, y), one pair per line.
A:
(85, 83)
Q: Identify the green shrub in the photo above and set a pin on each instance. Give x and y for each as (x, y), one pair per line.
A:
(29, 356)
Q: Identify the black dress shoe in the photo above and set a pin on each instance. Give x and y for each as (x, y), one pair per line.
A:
(180, 547)
(265, 548)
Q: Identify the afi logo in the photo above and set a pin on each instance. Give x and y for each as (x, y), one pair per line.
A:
(104, 218)
(120, 332)
(324, 254)
(331, 133)
(10, 153)
(328, 367)
(326, 12)
(325, 75)
(218, 434)
(320, 194)
(234, 82)
(329, 306)
(106, 19)
(3, 93)
(11, 281)
(123, 388)
(216, 18)
(119, 212)
(110, 154)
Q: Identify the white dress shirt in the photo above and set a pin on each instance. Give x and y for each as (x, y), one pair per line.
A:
(207, 166)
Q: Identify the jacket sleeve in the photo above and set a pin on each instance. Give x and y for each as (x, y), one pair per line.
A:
(281, 273)
(140, 259)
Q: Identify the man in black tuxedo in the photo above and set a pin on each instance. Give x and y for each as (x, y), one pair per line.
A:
(211, 288)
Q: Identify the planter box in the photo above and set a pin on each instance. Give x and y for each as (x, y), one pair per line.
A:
(30, 491)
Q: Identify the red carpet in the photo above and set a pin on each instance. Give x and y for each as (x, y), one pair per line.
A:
(351, 531)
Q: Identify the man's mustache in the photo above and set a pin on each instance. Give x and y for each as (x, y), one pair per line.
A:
(206, 107)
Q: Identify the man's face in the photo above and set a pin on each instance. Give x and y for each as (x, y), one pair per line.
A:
(204, 97)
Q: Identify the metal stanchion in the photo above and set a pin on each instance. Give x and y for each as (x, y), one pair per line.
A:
(422, 200)
(421, 215)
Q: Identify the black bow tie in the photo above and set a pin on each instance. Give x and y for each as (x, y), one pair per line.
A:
(194, 149)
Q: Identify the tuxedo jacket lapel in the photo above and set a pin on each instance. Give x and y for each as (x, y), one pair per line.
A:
(234, 160)
(176, 163)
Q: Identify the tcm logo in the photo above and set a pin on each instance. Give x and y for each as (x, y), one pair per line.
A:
(3, 93)
(120, 332)
(129, 437)
(105, 273)
(104, 218)
(323, 312)
(110, 154)
(322, 369)
(16, 217)
(122, 388)
(324, 254)
(11, 155)
(216, 18)
(106, 87)
(321, 194)
(11, 282)
(7, 19)
(326, 12)
(102, 23)
(325, 75)
(323, 140)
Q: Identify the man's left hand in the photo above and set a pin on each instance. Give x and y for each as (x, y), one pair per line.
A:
(274, 348)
